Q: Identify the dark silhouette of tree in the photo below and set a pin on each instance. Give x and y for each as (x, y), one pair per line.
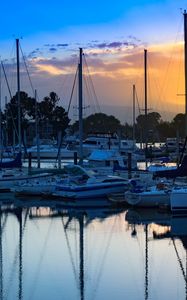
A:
(48, 113)
(178, 125)
(98, 123)
(51, 113)
(148, 127)
(27, 113)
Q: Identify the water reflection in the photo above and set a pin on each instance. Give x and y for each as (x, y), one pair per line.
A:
(55, 251)
(23, 212)
(163, 225)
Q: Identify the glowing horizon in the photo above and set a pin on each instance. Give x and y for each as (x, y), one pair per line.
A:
(113, 42)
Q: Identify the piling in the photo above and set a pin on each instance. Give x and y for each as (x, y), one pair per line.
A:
(30, 160)
(75, 158)
(129, 164)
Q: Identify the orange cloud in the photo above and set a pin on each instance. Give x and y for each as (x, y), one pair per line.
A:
(115, 70)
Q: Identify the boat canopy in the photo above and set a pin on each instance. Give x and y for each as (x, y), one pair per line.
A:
(103, 155)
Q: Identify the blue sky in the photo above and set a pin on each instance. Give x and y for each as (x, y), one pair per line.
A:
(83, 20)
(53, 31)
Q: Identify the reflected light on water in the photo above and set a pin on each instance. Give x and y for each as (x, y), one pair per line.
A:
(54, 252)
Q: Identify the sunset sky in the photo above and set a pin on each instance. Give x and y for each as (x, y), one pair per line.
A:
(113, 36)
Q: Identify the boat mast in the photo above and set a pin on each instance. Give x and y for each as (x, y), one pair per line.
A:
(18, 95)
(80, 107)
(36, 129)
(0, 121)
(145, 87)
(185, 67)
(133, 112)
(6, 123)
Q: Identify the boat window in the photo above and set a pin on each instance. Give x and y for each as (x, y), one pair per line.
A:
(90, 142)
(73, 170)
(114, 180)
(124, 143)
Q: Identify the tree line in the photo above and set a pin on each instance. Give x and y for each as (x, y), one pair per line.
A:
(49, 113)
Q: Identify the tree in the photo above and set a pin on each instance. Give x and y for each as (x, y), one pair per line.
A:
(100, 123)
(148, 127)
(165, 130)
(27, 114)
(178, 125)
(51, 113)
(48, 112)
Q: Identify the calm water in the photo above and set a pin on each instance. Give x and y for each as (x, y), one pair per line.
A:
(52, 252)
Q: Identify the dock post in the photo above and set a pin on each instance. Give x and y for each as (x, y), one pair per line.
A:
(129, 164)
(59, 160)
(30, 160)
(75, 158)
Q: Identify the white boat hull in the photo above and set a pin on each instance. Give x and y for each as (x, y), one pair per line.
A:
(7, 183)
(89, 191)
(148, 199)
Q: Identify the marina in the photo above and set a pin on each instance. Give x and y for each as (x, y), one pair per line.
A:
(93, 192)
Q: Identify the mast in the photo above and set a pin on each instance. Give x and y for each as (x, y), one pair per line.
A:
(185, 67)
(18, 95)
(0, 121)
(37, 133)
(133, 112)
(80, 107)
(6, 123)
(145, 87)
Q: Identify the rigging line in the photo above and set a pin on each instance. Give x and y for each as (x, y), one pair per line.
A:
(137, 101)
(33, 90)
(87, 89)
(160, 97)
(98, 279)
(179, 73)
(179, 259)
(71, 255)
(96, 98)
(10, 98)
(74, 82)
(171, 57)
(12, 54)
(90, 81)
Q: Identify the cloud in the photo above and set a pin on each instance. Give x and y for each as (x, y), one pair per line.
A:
(35, 53)
(52, 49)
(62, 45)
(114, 66)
